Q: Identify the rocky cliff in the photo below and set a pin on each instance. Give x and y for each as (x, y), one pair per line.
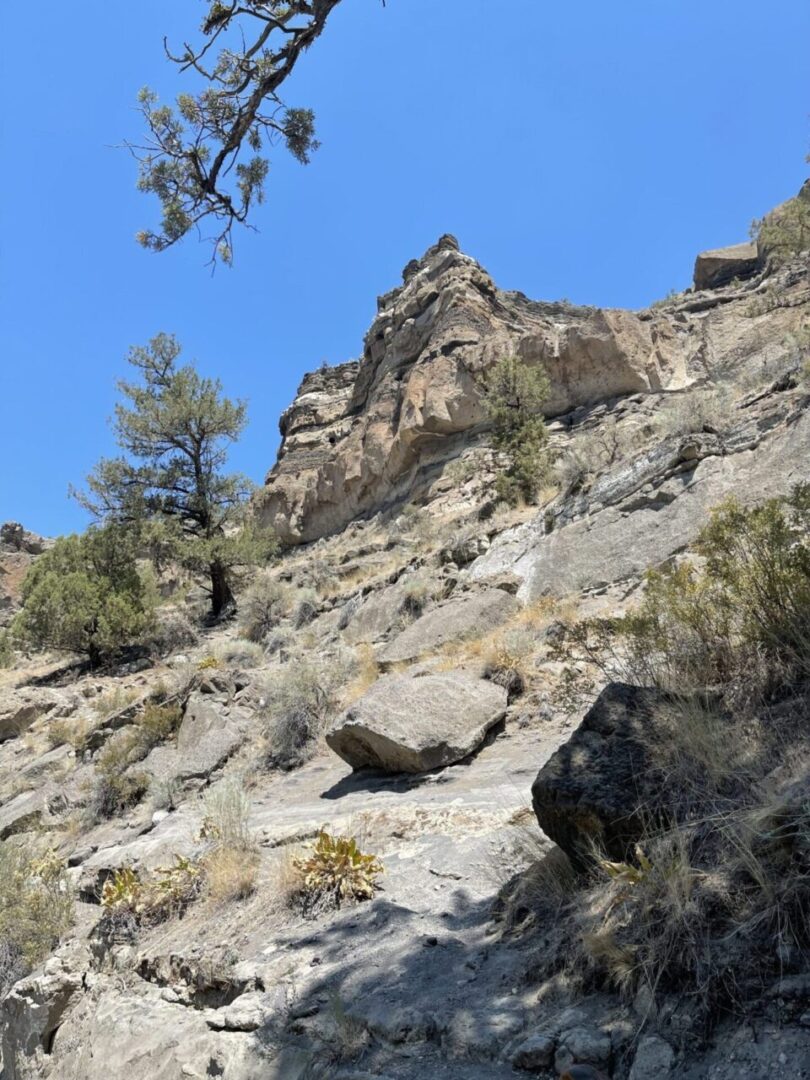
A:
(365, 435)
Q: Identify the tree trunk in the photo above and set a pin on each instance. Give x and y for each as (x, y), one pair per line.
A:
(221, 595)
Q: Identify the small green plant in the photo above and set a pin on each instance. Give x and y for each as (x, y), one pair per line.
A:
(514, 394)
(167, 891)
(209, 663)
(36, 908)
(337, 872)
(6, 649)
(123, 890)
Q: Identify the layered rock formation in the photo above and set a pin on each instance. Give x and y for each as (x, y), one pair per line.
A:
(364, 435)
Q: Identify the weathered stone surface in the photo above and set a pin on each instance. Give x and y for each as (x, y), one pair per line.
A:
(23, 812)
(470, 614)
(19, 709)
(31, 1014)
(414, 724)
(654, 1058)
(582, 1045)
(205, 741)
(716, 268)
(535, 1053)
(361, 435)
(646, 522)
(604, 785)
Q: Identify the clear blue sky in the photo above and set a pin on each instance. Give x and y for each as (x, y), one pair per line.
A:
(585, 150)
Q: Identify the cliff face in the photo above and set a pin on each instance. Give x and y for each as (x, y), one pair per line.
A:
(369, 433)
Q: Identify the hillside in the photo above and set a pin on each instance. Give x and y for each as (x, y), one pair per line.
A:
(405, 686)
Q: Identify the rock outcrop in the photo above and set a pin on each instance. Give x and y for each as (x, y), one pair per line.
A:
(18, 549)
(363, 435)
(602, 788)
(714, 269)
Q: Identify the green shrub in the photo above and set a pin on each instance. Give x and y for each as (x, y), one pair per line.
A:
(36, 909)
(86, 595)
(514, 394)
(737, 620)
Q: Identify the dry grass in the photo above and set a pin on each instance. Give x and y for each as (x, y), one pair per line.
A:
(367, 671)
(231, 865)
(230, 873)
(72, 731)
(507, 654)
(114, 700)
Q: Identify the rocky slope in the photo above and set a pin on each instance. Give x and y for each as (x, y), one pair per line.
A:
(406, 588)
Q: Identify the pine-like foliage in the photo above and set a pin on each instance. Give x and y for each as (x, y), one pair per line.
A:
(175, 428)
(514, 395)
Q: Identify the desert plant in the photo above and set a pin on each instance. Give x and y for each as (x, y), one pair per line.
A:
(113, 701)
(209, 663)
(299, 699)
(694, 411)
(86, 595)
(738, 620)
(514, 394)
(226, 815)
(230, 873)
(231, 864)
(118, 785)
(336, 872)
(154, 897)
(305, 607)
(262, 607)
(239, 653)
(172, 631)
(7, 654)
(36, 908)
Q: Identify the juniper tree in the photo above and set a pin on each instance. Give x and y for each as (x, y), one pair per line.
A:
(85, 594)
(191, 157)
(175, 428)
(514, 394)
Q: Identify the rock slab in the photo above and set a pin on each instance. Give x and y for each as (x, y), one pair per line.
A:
(468, 615)
(415, 724)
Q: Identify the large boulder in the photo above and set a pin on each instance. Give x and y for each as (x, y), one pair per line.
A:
(414, 724)
(716, 268)
(607, 784)
(468, 615)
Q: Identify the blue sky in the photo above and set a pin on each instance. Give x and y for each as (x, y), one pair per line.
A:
(585, 150)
